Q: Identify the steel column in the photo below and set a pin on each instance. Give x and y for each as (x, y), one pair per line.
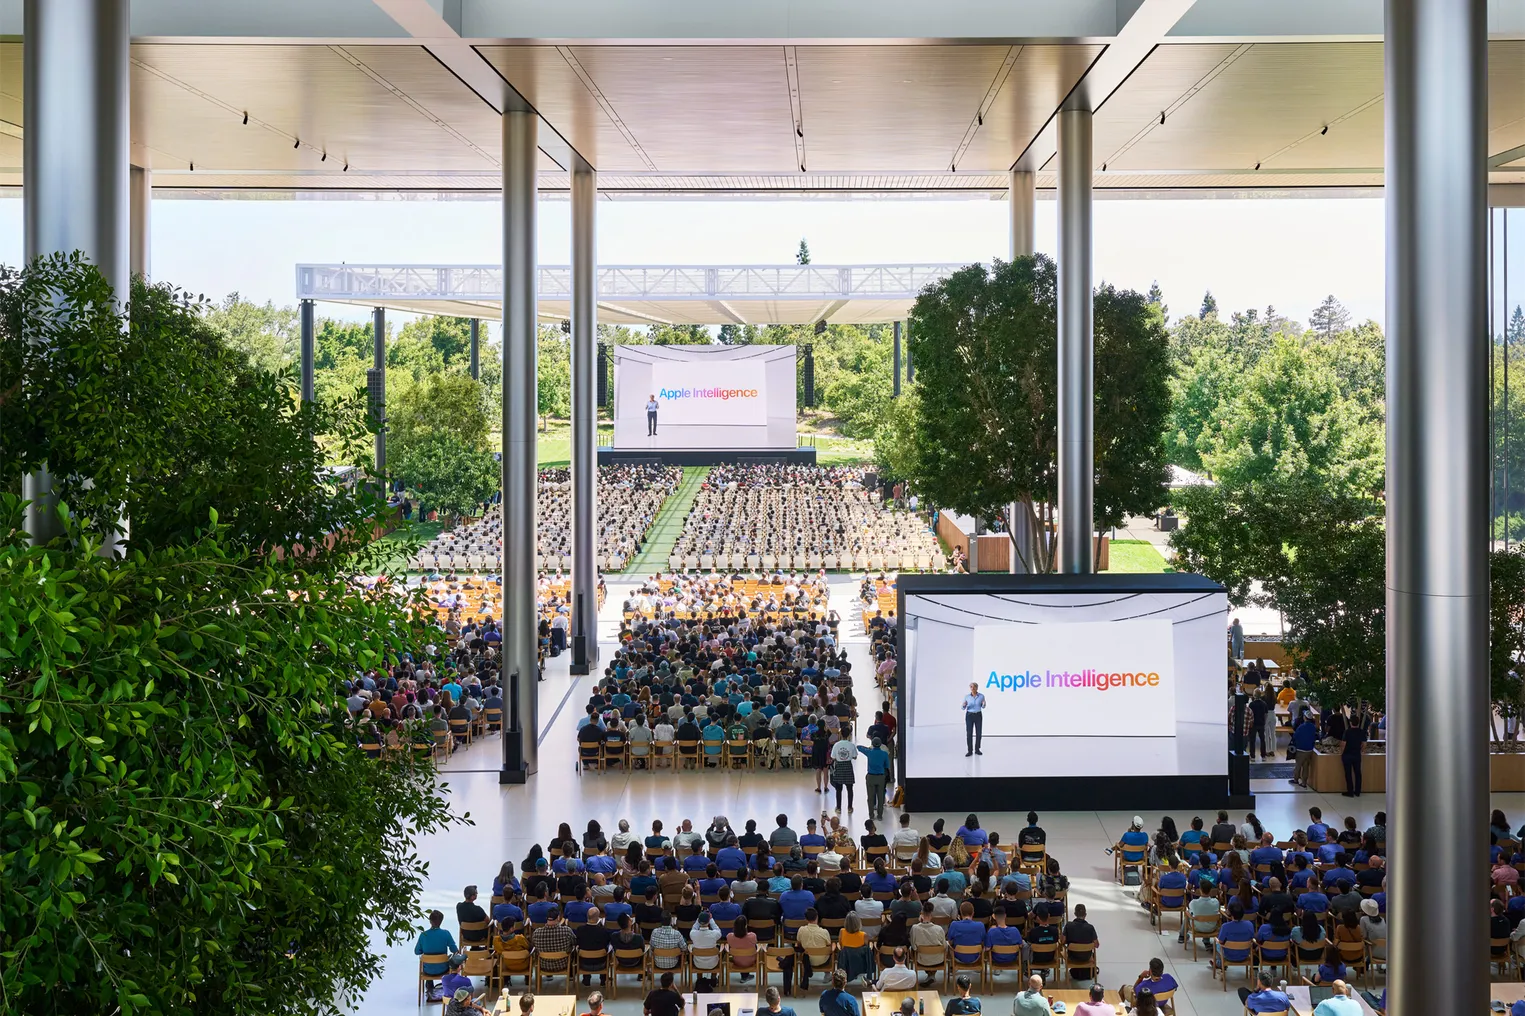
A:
(140, 201)
(476, 350)
(1437, 483)
(897, 359)
(1076, 400)
(74, 160)
(379, 347)
(520, 402)
(1023, 197)
(584, 417)
(910, 364)
(309, 344)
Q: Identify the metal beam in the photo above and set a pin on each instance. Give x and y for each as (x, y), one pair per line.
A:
(520, 402)
(1148, 26)
(1077, 475)
(584, 419)
(1436, 506)
(830, 309)
(309, 345)
(379, 349)
(1023, 198)
(476, 349)
(728, 311)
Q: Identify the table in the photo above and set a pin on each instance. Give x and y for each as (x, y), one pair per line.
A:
(545, 1005)
(1302, 1002)
(1508, 992)
(739, 1002)
(887, 1003)
(1071, 997)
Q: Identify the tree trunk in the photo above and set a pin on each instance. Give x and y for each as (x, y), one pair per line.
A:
(1031, 546)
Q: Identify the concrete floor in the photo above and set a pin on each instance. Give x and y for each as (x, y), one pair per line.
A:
(507, 820)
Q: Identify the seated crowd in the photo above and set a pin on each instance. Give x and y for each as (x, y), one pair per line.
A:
(682, 597)
(709, 906)
(629, 497)
(775, 516)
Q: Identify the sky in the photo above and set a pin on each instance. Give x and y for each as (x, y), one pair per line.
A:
(1250, 252)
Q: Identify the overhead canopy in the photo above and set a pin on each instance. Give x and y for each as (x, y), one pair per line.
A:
(642, 295)
(776, 98)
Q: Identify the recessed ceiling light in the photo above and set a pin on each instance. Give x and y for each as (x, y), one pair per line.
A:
(667, 59)
(906, 81)
(836, 81)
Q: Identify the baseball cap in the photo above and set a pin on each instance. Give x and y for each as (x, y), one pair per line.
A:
(462, 994)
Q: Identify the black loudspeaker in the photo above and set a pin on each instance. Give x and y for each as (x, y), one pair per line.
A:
(603, 375)
(809, 375)
(376, 392)
(1238, 776)
(870, 481)
(513, 757)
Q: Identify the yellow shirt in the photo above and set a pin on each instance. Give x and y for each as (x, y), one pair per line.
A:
(1285, 696)
(850, 939)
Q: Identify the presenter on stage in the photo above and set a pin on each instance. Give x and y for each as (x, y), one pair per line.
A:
(651, 415)
(974, 720)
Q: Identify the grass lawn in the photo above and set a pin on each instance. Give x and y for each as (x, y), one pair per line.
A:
(393, 541)
(1135, 556)
(553, 446)
(835, 450)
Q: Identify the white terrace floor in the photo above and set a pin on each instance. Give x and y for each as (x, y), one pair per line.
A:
(507, 820)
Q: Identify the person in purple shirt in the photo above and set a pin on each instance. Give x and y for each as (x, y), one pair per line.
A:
(1267, 997)
(1314, 902)
(999, 933)
(695, 861)
(1235, 929)
(730, 857)
(1302, 875)
(795, 900)
(1341, 870)
(971, 832)
(1318, 832)
(1266, 853)
(619, 906)
(1155, 980)
(602, 864)
(881, 881)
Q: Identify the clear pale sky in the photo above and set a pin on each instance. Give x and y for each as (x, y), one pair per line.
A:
(1290, 253)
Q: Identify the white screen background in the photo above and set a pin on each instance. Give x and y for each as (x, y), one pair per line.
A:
(939, 661)
(703, 424)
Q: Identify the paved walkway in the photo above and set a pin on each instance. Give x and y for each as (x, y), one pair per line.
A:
(668, 524)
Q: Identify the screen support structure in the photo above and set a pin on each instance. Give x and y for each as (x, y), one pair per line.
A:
(584, 418)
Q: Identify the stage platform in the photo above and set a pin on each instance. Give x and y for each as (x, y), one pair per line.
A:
(706, 456)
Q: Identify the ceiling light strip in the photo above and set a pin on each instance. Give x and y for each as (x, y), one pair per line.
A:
(1322, 129)
(605, 105)
(360, 65)
(1183, 99)
(996, 84)
(214, 100)
(796, 105)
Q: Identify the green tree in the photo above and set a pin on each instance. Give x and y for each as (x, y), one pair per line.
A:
(1308, 549)
(739, 335)
(985, 430)
(802, 256)
(1209, 306)
(678, 335)
(554, 375)
(450, 337)
(186, 823)
(1506, 625)
(1329, 318)
(446, 403)
(1202, 389)
(1289, 419)
(269, 335)
(446, 474)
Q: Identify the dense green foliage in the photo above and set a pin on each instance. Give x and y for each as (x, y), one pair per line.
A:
(186, 823)
(980, 432)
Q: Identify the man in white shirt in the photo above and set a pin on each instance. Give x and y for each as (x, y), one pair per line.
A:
(651, 416)
(907, 841)
(898, 977)
(869, 910)
(704, 935)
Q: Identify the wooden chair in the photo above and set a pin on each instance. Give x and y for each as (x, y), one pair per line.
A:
(493, 718)
(766, 931)
(1032, 858)
(1124, 858)
(569, 971)
(821, 962)
(931, 962)
(1500, 956)
(680, 972)
(1045, 957)
(1309, 955)
(442, 744)
(1274, 955)
(1002, 957)
(738, 753)
(696, 953)
(726, 965)
(372, 747)
(1358, 961)
(1170, 901)
(1078, 956)
(688, 751)
(435, 959)
(833, 926)
(1247, 946)
(461, 731)
(979, 964)
(481, 963)
(607, 970)
(616, 755)
(1208, 935)
(513, 963)
(474, 926)
(792, 925)
(872, 854)
(662, 753)
(772, 963)
(715, 759)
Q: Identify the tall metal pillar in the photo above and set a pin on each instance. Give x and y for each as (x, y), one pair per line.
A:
(1023, 196)
(897, 359)
(476, 350)
(74, 159)
(379, 344)
(520, 400)
(910, 365)
(1076, 401)
(1437, 481)
(309, 345)
(140, 201)
(584, 417)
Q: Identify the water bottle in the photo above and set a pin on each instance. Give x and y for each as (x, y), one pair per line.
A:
(921, 1006)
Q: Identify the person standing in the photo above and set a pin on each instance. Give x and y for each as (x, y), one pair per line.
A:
(1236, 640)
(651, 415)
(843, 754)
(878, 776)
(1350, 755)
(1304, 739)
(974, 720)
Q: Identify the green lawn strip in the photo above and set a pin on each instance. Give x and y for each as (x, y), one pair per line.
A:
(1135, 556)
(668, 525)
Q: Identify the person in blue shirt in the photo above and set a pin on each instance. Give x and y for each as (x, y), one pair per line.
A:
(507, 916)
(1194, 840)
(835, 1001)
(1343, 1003)
(714, 738)
(795, 900)
(966, 935)
(1304, 739)
(541, 908)
(711, 883)
(881, 881)
(1267, 997)
(504, 884)
(1155, 980)
(1302, 875)
(619, 907)
(434, 941)
(878, 777)
(1000, 933)
(1235, 929)
(695, 861)
(1318, 832)
(974, 720)
(1313, 902)
(972, 834)
(576, 911)
(601, 864)
(811, 838)
(1135, 842)
(1341, 870)
(726, 909)
(730, 857)
(957, 880)
(1331, 968)
(1021, 880)
(1202, 870)
(1172, 885)
(643, 881)
(1266, 854)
